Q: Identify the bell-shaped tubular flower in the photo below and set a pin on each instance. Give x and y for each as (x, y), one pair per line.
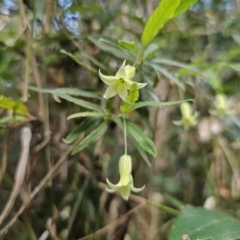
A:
(125, 184)
(221, 106)
(188, 119)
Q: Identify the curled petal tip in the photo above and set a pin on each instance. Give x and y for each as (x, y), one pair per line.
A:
(136, 190)
(111, 185)
(110, 190)
(141, 85)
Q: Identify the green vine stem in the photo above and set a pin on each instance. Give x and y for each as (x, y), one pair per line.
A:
(125, 134)
(164, 208)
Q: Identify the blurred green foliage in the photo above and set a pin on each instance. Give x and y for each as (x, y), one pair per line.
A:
(54, 49)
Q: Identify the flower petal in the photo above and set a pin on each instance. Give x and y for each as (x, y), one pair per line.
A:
(114, 186)
(122, 91)
(129, 84)
(109, 80)
(121, 72)
(136, 190)
(125, 192)
(185, 109)
(111, 91)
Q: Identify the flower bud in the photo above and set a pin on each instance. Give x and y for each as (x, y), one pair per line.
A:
(130, 71)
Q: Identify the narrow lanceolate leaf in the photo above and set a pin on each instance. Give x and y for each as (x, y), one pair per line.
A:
(131, 99)
(82, 127)
(80, 102)
(183, 6)
(9, 119)
(92, 137)
(70, 91)
(85, 114)
(164, 12)
(18, 107)
(141, 138)
(198, 223)
(144, 156)
(156, 104)
(131, 46)
(161, 70)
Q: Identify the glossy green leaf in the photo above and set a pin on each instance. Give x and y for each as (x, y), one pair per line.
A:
(164, 11)
(18, 107)
(183, 6)
(161, 70)
(92, 137)
(70, 91)
(131, 99)
(85, 114)
(131, 46)
(197, 223)
(133, 94)
(141, 138)
(82, 127)
(155, 104)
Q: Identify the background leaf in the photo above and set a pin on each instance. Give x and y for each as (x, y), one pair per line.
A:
(85, 114)
(80, 102)
(141, 138)
(198, 223)
(82, 127)
(70, 91)
(92, 137)
(155, 104)
(131, 46)
(161, 70)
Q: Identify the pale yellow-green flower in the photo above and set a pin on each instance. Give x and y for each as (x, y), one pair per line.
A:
(125, 184)
(121, 82)
(188, 119)
(221, 106)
